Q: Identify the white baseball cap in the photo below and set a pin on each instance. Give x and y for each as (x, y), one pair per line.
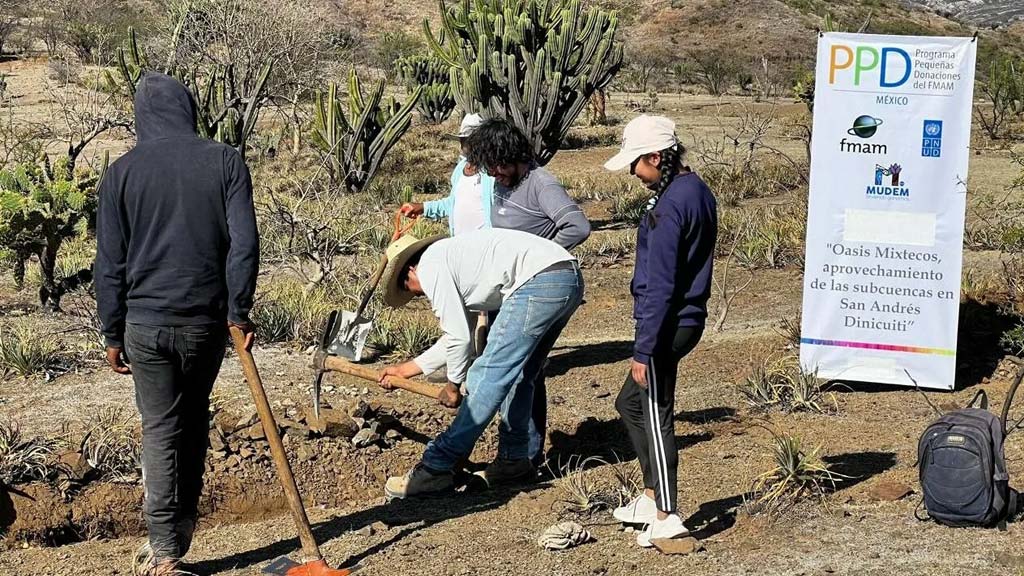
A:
(470, 123)
(643, 135)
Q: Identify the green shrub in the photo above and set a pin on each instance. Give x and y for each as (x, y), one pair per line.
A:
(41, 207)
(1012, 341)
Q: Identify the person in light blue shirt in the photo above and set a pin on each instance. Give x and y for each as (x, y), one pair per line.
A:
(468, 206)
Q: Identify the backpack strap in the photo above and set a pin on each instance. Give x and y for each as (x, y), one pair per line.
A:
(981, 395)
(1009, 401)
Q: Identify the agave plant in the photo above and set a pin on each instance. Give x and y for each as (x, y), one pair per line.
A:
(23, 459)
(797, 474)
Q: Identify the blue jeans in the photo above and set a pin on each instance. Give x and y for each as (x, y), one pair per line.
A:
(503, 378)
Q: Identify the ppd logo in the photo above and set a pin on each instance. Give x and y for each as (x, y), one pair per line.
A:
(890, 67)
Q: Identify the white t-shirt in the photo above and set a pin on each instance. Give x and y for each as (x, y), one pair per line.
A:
(468, 211)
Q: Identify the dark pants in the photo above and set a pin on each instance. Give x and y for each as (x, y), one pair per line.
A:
(649, 415)
(174, 368)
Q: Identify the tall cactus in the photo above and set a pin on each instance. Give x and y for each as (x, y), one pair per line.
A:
(355, 144)
(227, 109)
(436, 103)
(533, 62)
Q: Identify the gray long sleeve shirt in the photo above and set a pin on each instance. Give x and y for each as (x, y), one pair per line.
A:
(539, 205)
(476, 272)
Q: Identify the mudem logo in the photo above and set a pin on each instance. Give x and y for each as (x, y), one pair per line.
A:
(888, 183)
(864, 127)
(887, 67)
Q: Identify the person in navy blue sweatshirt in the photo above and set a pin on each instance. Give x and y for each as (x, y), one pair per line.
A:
(671, 284)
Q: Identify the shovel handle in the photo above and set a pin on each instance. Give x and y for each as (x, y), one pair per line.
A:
(284, 471)
(375, 279)
(335, 364)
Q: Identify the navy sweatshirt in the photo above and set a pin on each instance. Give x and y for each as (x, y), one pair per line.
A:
(176, 230)
(675, 251)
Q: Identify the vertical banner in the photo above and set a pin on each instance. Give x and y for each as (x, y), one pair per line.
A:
(889, 154)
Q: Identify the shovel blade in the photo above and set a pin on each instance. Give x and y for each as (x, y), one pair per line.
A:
(351, 337)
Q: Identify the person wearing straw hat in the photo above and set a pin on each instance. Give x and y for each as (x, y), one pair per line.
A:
(536, 286)
(468, 206)
(671, 285)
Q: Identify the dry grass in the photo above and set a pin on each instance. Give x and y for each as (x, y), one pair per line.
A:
(403, 334)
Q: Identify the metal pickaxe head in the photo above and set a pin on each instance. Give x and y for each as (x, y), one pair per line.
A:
(329, 333)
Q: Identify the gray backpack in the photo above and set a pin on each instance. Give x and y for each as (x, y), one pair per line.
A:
(962, 467)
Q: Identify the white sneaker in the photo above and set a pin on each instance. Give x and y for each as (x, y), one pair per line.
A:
(641, 510)
(671, 527)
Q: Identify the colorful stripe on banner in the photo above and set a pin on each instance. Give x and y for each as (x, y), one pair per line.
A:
(885, 347)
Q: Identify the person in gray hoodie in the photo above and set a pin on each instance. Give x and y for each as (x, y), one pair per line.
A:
(176, 264)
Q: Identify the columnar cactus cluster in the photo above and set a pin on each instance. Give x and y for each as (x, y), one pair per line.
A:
(534, 62)
(227, 107)
(436, 103)
(355, 144)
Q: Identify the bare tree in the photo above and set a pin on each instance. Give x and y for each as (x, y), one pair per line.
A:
(10, 17)
(244, 34)
(85, 116)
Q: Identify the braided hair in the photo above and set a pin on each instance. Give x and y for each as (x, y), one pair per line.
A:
(671, 165)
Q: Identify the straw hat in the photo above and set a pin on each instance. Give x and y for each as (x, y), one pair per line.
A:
(398, 253)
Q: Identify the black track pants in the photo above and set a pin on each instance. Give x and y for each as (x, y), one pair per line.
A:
(648, 414)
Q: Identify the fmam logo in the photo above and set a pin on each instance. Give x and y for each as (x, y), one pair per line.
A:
(888, 183)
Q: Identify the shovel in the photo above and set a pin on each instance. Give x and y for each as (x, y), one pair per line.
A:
(313, 561)
(349, 333)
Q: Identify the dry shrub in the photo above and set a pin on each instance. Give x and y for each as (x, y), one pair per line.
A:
(771, 237)
(611, 246)
(111, 441)
(581, 491)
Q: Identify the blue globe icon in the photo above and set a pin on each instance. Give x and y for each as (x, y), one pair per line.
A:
(865, 126)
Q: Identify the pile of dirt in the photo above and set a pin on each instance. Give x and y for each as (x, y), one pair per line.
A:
(338, 459)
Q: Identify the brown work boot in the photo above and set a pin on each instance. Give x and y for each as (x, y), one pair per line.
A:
(504, 472)
(418, 481)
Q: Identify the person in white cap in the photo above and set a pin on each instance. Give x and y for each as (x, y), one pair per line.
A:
(468, 206)
(671, 284)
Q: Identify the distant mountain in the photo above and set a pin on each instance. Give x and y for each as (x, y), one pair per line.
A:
(979, 12)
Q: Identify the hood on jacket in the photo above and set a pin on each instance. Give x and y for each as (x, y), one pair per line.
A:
(163, 108)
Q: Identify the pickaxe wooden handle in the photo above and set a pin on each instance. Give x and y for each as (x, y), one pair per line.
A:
(336, 364)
